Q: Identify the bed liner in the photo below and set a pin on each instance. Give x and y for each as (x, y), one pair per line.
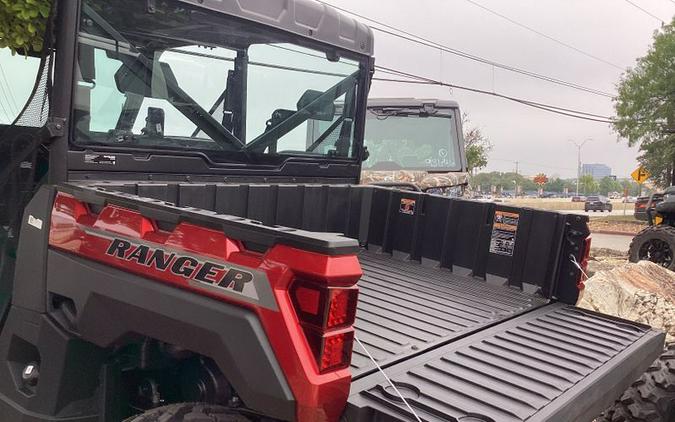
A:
(555, 363)
(405, 308)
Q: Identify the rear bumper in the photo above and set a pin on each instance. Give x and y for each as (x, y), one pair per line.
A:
(556, 363)
(603, 207)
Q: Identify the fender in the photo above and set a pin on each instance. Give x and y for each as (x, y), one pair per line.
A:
(112, 304)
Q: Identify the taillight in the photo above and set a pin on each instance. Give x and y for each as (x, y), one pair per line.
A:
(332, 351)
(327, 315)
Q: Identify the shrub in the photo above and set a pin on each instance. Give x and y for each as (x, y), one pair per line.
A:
(22, 24)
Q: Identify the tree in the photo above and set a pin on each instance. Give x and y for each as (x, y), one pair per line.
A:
(22, 24)
(608, 184)
(630, 186)
(555, 185)
(645, 107)
(588, 184)
(541, 179)
(476, 145)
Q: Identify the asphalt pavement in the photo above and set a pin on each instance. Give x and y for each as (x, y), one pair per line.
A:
(617, 242)
(617, 211)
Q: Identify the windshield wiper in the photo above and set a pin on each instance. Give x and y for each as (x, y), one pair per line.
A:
(301, 116)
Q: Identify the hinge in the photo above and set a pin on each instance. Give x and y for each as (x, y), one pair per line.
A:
(56, 126)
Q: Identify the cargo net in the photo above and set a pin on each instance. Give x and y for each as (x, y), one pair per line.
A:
(36, 111)
(23, 163)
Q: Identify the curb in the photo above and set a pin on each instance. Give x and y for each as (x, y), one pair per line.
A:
(613, 232)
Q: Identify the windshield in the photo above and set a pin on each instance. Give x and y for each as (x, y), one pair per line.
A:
(177, 78)
(412, 141)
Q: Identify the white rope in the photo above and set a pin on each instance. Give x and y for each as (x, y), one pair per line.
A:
(388, 380)
(576, 264)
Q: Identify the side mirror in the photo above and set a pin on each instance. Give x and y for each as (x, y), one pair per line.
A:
(318, 109)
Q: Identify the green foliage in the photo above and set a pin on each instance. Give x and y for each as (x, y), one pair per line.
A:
(502, 181)
(631, 186)
(22, 24)
(645, 107)
(477, 147)
(588, 185)
(608, 184)
(555, 185)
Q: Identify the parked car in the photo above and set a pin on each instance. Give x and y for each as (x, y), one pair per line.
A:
(643, 203)
(578, 199)
(597, 203)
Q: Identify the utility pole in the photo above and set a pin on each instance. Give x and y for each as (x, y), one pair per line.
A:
(517, 162)
(671, 131)
(579, 146)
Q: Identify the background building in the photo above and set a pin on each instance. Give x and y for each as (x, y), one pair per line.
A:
(598, 171)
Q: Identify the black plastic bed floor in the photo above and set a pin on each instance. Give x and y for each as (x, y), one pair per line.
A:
(405, 308)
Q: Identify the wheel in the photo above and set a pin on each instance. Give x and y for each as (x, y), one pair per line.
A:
(190, 412)
(650, 398)
(656, 244)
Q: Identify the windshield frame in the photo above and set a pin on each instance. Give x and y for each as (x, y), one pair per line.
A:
(264, 162)
(456, 136)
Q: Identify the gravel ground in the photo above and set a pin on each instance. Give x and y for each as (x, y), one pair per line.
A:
(628, 227)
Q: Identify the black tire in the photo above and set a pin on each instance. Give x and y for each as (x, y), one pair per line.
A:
(190, 412)
(650, 398)
(662, 236)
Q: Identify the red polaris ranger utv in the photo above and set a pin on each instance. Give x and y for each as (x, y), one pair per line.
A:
(174, 250)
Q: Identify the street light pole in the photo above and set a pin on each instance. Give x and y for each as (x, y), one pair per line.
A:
(579, 146)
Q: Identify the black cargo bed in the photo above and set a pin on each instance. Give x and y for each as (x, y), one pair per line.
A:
(555, 363)
(405, 308)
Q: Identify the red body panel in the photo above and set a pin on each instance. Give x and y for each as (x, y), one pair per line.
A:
(319, 397)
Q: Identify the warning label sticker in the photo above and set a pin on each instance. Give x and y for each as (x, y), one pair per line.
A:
(504, 230)
(110, 160)
(407, 206)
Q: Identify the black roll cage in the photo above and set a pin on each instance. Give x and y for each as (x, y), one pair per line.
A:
(65, 156)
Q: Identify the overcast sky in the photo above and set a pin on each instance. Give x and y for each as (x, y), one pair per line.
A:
(613, 30)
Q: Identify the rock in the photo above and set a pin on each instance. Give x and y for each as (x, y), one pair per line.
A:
(603, 259)
(642, 292)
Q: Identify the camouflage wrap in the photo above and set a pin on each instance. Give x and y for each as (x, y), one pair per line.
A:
(421, 179)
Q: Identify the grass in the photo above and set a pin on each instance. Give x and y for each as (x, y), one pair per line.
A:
(620, 219)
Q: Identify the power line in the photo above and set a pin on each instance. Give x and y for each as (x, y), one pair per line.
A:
(645, 11)
(3, 96)
(435, 45)
(546, 107)
(501, 66)
(4, 110)
(529, 163)
(9, 88)
(416, 79)
(555, 40)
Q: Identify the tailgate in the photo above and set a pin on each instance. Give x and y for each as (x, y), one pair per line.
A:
(556, 363)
